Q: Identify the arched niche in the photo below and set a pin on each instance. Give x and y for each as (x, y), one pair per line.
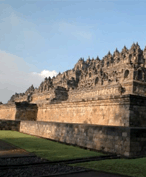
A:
(118, 60)
(95, 71)
(135, 75)
(130, 57)
(98, 66)
(102, 63)
(96, 80)
(139, 75)
(108, 64)
(126, 74)
(112, 60)
(77, 67)
(145, 77)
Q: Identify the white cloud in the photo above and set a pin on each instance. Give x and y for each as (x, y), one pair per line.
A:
(15, 76)
(46, 73)
(75, 30)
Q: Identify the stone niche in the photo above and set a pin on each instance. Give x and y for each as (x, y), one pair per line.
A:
(26, 111)
(18, 111)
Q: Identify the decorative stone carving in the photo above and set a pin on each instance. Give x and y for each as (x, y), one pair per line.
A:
(126, 74)
(95, 73)
(140, 75)
(29, 90)
(29, 97)
(121, 89)
(61, 94)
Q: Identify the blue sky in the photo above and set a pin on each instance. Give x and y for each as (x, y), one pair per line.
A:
(47, 37)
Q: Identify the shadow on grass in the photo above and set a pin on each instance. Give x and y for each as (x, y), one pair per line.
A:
(4, 146)
(130, 167)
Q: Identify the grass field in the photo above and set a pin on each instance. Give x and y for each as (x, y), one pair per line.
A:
(55, 151)
(44, 148)
(130, 167)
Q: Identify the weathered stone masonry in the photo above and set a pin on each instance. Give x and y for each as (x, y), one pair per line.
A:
(10, 125)
(104, 138)
(99, 104)
(127, 141)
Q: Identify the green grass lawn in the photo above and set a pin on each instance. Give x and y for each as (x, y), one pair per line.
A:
(44, 148)
(55, 151)
(129, 167)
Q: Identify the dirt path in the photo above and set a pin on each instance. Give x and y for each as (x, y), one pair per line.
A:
(9, 150)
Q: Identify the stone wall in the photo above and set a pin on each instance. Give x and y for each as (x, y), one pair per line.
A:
(21, 99)
(7, 111)
(85, 93)
(103, 138)
(97, 92)
(48, 95)
(126, 110)
(113, 111)
(137, 117)
(10, 125)
(127, 141)
(138, 141)
(139, 88)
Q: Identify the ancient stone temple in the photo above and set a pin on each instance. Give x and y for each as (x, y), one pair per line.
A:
(99, 104)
